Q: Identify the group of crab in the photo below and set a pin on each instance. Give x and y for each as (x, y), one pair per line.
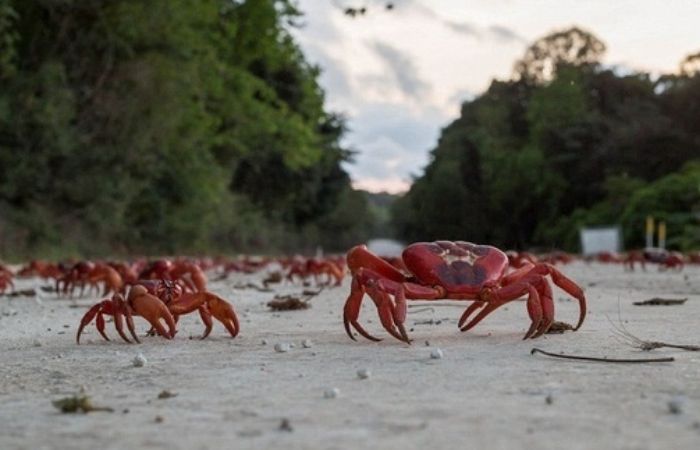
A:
(663, 258)
(161, 291)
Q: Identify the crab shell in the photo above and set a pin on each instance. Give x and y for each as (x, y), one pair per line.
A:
(457, 266)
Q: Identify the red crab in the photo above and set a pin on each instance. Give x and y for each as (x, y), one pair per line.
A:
(5, 280)
(454, 271)
(158, 301)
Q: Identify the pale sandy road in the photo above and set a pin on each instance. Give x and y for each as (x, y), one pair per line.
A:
(487, 391)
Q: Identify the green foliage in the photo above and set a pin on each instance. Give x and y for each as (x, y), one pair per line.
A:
(565, 144)
(163, 126)
(674, 199)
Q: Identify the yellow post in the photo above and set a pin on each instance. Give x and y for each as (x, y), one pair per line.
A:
(650, 231)
(662, 234)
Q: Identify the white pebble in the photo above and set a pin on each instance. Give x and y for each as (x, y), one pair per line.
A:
(306, 343)
(282, 347)
(363, 374)
(331, 393)
(139, 360)
(436, 354)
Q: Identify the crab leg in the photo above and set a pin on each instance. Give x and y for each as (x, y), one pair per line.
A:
(105, 307)
(206, 318)
(126, 309)
(540, 306)
(118, 312)
(101, 325)
(572, 289)
(351, 311)
(392, 314)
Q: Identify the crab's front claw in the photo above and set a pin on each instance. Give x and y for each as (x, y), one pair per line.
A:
(153, 310)
(209, 305)
(392, 313)
(351, 312)
(223, 312)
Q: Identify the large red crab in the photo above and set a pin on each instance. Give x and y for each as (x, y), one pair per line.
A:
(454, 271)
(160, 303)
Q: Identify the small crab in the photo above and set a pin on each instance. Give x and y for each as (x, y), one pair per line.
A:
(454, 271)
(160, 303)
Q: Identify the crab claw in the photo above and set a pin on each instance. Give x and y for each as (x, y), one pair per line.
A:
(208, 305)
(351, 311)
(392, 312)
(153, 310)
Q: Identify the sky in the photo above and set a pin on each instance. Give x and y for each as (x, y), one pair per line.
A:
(400, 75)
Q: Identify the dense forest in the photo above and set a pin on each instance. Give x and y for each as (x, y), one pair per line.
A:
(169, 125)
(132, 127)
(567, 142)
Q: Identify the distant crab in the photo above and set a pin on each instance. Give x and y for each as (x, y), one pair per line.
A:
(455, 271)
(160, 303)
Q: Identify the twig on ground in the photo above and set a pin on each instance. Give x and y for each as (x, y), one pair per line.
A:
(608, 360)
(78, 403)
(656, 301)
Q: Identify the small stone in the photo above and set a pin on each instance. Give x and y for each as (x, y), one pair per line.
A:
(166, 394)
(139, 360)
(549, 399)
(675, 405)
(158, 419)
(363, 374)
(264, 342)
(285, 425)
(36, 344)
(291, 345)
(331, 393)
(306, 343)
(436, 354)
(282, 347)
(427, 343)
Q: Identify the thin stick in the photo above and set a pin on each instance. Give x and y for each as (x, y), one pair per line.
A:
(609, 360)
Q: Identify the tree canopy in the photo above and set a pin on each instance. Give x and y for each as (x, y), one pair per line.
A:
(566, 143)
(162, 126)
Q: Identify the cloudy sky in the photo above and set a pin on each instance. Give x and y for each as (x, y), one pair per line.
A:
(400, 75)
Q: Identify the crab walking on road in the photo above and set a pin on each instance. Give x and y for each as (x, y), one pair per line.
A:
(454, 271)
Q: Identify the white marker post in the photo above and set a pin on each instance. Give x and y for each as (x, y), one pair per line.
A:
(650, 232)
